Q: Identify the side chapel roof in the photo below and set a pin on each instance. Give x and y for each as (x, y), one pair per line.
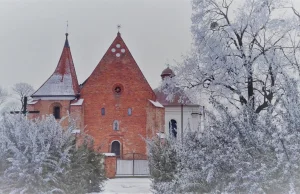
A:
(179, 97)
(63, 82)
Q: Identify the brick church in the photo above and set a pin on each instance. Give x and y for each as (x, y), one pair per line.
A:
(115, 104)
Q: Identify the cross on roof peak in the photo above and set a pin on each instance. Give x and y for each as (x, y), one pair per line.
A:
(119, 27)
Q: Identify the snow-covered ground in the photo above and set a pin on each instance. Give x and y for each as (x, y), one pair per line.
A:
(127, 185)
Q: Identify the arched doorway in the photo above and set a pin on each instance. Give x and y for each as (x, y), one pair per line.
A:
(116, 148)
(173, 128)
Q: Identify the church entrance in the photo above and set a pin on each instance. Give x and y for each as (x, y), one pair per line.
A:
(116, 148)
(132, 164)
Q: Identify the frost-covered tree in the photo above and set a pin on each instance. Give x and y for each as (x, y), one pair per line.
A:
(162, 161)
(3, 95)
(22, 90)
(236, 155)
(39, 156)
(242, 51)
(245, 58)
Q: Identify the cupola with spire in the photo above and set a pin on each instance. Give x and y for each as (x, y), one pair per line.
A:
(63, 82)
(167, 73)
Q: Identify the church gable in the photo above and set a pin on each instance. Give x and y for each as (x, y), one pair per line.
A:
(118, 66)
(116, 102)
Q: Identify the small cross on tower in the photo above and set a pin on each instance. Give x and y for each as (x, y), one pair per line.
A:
(67, 28)
(119, 27)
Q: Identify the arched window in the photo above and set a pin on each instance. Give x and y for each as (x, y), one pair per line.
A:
(173, 128)
(56, 112)
(116, 125)
(116, 148)
(102, 111)
(129, 111)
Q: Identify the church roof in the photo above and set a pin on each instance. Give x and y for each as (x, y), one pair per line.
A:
(179, 98)
(63, 82)
(167, 72)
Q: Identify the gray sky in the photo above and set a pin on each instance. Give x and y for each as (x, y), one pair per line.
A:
(32, 35)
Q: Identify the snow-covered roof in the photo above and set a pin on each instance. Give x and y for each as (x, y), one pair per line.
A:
(32, 102)
(77, 103)
(109, 154)
(156, 104)
(57, 85)
(63, 82)
(179, 98)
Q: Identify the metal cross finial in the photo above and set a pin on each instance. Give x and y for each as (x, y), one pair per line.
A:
(119, 27)
(67, 26)
(167, 63)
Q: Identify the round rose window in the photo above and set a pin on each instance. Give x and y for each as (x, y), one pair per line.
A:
(118, 90)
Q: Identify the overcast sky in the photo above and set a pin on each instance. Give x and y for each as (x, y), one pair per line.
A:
(32, 35)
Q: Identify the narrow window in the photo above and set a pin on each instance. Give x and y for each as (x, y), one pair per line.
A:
(116, 125)
(56, 112)
(173, 128)
(129, 111)
(102, 111)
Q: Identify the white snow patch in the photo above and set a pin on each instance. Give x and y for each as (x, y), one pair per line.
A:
(109, 154)
(161, 135)
(156, 104)
(78, 103)
(127, 185)
(32, 102)
(75, 131)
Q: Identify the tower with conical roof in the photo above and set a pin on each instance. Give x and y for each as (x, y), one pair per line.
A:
(58, 92)
(63, 82)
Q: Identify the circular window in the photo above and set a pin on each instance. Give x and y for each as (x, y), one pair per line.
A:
(118, 45)
(118, 54)
(118, 90)
(113, 50)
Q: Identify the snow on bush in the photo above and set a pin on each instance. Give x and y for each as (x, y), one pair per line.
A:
(162, 160)
(244, 152)
(39, 156)
(245, 60)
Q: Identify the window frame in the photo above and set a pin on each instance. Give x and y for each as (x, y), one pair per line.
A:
(103, 111)
(129, 111)
(57, 114)
(173, 132)
(118, 125)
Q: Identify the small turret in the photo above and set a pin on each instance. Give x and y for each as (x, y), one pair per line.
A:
(63, 82)
(167, 73)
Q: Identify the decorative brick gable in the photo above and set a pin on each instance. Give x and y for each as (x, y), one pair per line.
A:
(116, 85)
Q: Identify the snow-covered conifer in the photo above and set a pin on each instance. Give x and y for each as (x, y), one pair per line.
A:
(39, 156)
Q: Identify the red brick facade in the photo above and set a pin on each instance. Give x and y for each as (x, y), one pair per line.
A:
(99, 92)
(115, 88)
